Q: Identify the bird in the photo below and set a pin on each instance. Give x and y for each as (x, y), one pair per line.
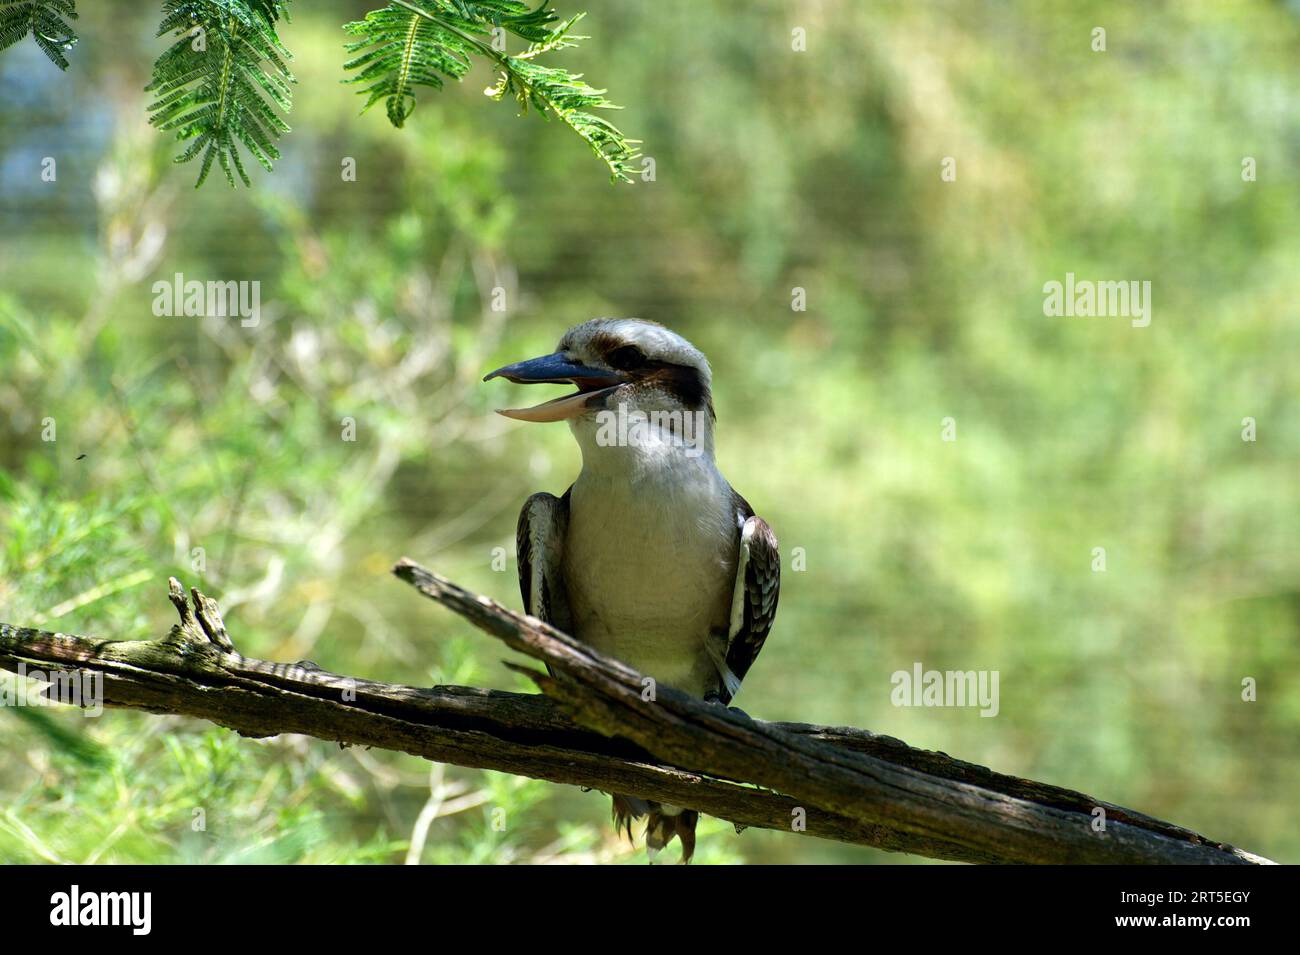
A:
(650, 556)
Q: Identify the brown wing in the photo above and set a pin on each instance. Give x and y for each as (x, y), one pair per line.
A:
(539, 543)
(758, 585)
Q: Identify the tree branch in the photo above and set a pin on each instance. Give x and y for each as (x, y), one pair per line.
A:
(598, 725)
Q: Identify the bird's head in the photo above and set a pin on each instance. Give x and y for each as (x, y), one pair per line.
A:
(616, 363)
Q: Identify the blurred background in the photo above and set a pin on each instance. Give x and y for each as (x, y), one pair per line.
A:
(215, 452)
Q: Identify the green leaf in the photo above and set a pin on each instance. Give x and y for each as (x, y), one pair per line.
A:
(220, 84)
(412, 43)
(44, 20)
(399, 51)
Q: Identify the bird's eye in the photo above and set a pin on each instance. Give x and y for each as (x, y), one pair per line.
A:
(626, 358)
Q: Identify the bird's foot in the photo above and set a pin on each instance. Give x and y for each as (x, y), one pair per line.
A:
(716, 699)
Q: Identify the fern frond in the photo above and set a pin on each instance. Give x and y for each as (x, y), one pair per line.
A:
(222, 81)
(44, 20)
(400, 50)
(412, 43)
(569, 97)
(559, 38)
(533, 25)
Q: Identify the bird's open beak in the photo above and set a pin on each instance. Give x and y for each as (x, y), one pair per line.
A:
(592, 383)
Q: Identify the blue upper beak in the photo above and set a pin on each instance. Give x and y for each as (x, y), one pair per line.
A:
(555, 368)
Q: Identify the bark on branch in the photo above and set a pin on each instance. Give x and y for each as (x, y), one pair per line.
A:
(596, 727)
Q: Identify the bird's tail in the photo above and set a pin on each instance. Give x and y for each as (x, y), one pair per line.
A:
(663, 823)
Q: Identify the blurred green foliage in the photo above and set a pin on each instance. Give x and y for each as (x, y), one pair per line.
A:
(774, 169)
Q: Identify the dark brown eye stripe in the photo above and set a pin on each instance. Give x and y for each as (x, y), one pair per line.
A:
(605, 343)
(683, 383)
(626, 358)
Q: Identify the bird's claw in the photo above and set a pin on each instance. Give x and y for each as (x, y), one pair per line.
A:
(716, 700)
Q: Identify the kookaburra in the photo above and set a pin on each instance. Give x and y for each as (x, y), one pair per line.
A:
(649, 556)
